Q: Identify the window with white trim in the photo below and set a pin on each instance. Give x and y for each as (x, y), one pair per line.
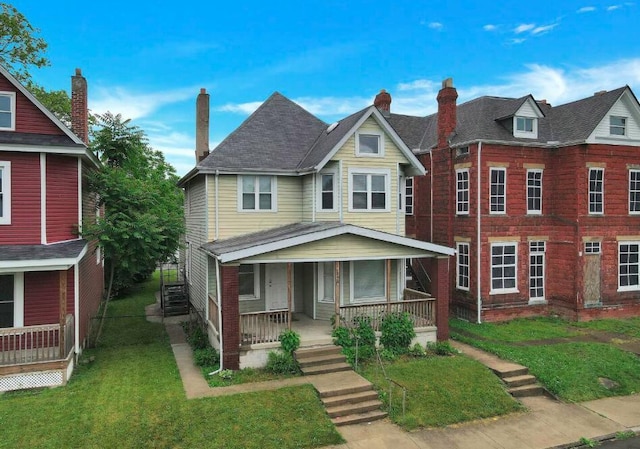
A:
(369, 190)
(498, 191)
(462, 266)
(462, 191)
(534, 191)
(326, 282)
(524, 124)
(369, 144)
(408, 196)
(617, 125)
(7, 111)
(596, 190)
(368, 280)
(504, 268)
(257, 193)
(536, 270)
(5, 192)
(248, 281)
(592, 248)
(628, 266)
(327, 191)
(7, 300)
(634, 191)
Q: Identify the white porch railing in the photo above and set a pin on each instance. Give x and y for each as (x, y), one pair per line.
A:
(421, 312)
(263, 327)
(33, 344)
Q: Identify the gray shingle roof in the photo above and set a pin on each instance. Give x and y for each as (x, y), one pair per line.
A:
(64, 250)
(16, 138)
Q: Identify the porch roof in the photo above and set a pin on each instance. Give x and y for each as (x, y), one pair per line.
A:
(54, 256)
(254, 244)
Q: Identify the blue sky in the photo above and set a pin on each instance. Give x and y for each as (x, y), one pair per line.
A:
(148, 60)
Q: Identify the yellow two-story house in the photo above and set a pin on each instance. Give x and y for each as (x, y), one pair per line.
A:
(295, 223)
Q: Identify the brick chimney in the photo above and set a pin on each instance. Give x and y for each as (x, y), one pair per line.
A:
(383, 103)
(202, 125)
(446, 112)
(79, 111)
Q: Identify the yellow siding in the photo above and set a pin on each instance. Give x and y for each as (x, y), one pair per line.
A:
(339, 247)
(231, 222)
(307, 197)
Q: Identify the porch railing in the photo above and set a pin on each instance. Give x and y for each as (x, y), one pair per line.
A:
(33, 344)
(421, 311)
(263, 327)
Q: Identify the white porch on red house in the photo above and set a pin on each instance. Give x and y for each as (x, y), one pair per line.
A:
(305, 275)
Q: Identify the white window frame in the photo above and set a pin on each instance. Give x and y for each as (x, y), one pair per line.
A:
(352, 282)
(256, 192)
(379, 135)
(5, 190)
(408, 195)
(256, 284)
(18, 299)
(524, 132)
(319, 190)
(462, 205)
(622, 127)
(369, 172)
(504, 290)
(322, 297)
(463, 264)
(599, 193)
(12, 105)
(629, 265)
(593, 247)
(634, 192)
(532, 186)
(503, 195)
(537, 258)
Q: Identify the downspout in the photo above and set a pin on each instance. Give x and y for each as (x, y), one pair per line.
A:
(217, 235)
(220, 368)
(76, 307)
(478, 235)
(313, 201)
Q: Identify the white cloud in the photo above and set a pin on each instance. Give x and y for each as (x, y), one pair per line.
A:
(613, 7)
(418, 85)
(435, 25)
(517, 41)
(524, 27)
(134, 105)
(240, 108)
(490, 27)
(586, 9)
(543, 29)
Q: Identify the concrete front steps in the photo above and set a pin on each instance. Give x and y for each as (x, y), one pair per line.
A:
(518, 381)
(348, 397)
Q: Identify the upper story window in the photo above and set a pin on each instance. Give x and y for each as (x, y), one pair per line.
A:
(327, 190)
(257, 193)
(534, 191)
(462, 151)
(7, 111)
(634, 191)
(498, 191)
(369, 190)
(596, 190)
(462, 191)
(526, 127)
(408, 196)
(5, 192)
(369, 144)
(617, 125)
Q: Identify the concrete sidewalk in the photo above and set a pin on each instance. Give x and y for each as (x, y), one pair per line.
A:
(547, 423)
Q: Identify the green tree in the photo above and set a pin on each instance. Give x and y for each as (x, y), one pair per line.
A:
(143, 216)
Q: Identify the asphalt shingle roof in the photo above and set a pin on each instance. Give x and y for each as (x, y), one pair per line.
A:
(64, 250)
(11, 137)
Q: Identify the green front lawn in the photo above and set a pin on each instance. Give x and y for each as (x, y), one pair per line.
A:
(131, 396)
(570, 370)
(440, 391)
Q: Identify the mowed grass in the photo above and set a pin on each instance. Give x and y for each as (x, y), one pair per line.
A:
(627, 326)
(440, 391)
(572, 371)
(518, 330)
(131, 396)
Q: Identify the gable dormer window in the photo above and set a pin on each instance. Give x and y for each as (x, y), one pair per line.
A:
(524, 124)
(369, 144)
(617, 125)
(7, 111)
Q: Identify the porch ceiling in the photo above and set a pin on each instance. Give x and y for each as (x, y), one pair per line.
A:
(320, 241)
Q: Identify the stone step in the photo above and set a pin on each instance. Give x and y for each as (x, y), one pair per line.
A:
(510, 370)
(518, 381)
(350, 398)
(526, 390)
(304, 353)
(323, 369)
(323, 359)
(353, 409)
(373, 415)
(343, 391)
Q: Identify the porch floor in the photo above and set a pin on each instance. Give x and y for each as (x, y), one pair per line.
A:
(312, 332)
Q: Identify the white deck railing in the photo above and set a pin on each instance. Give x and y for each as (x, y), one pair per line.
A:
(263, 327)
(421, 312)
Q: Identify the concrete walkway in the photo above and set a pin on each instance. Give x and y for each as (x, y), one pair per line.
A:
(547, 423)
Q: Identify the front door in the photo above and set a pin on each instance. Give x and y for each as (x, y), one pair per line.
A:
(591, 280)
(276, 286)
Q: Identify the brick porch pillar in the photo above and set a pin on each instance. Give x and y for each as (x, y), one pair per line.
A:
(440, 289)
(230, 318)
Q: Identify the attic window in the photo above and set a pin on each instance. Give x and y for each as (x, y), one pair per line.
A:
(617, 125)
(7, 111)
(524, 124)
(462, 151)
(525, 127)
(369, 144)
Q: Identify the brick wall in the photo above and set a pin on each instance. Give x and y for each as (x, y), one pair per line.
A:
(230, 317)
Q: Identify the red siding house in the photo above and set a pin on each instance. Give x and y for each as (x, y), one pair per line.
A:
(541, 202)
(51, 280)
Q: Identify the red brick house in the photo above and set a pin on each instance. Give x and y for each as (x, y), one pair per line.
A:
(51, 280)
(541, 202)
